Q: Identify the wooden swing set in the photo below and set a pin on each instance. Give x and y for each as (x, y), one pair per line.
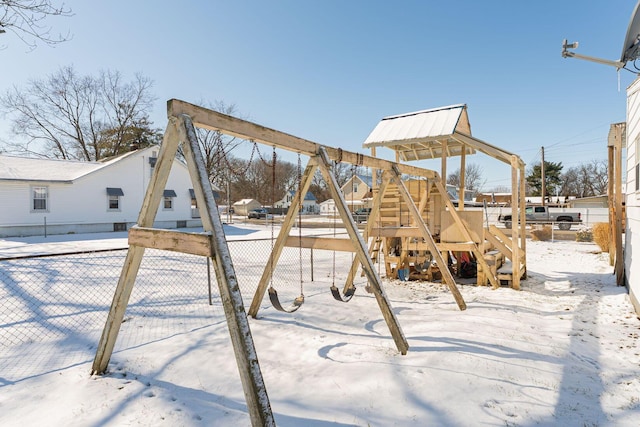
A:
(183, 117)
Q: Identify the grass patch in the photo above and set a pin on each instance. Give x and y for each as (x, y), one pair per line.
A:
(602, 235)
(542, 234)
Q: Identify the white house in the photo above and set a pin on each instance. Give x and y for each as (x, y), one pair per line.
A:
(328, 207)
(243, 206)
(309, 204)
(47, 196)
(632, 230)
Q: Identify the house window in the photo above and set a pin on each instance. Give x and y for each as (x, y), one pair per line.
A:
(113, 198)
(39, 199)
(114, 203)
(168, 195)
(194, 202)
(152, 162)
(355, 187)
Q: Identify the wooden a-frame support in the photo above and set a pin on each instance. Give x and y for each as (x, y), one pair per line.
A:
(322, 161)
(212, 244)
(394, 175)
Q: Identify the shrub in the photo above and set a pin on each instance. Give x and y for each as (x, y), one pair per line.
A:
(601, 235)
(584, 234)
(543, 234)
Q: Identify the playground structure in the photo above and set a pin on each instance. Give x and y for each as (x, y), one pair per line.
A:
(442, 133)
(424, 198)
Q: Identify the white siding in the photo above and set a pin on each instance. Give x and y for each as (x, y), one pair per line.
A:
(632, 232)
(81, 205)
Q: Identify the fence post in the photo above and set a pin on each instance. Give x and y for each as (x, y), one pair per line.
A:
(312, 264)
(209, 280)
(45, 227)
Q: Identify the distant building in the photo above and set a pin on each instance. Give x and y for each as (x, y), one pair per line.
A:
(309, 204)
(242, 207)
(601, 201)
(328, 207)
(357, 191)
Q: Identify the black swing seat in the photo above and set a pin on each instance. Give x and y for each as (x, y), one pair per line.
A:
(296, 304)
(347, 295)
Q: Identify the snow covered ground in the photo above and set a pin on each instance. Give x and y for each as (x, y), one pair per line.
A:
(563, 351)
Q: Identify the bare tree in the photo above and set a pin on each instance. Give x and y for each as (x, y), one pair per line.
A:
(25, 18)
(76, 117)
(257, 179)
(217, 147)
(473, 178)
(586, 179)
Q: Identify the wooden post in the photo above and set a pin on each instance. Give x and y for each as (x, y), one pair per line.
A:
(516, 225)
(363, 254)
(133, 259)
(465, 233)
(523, 234)
(426, 234)
(181, 129)
(443, 162)
(371, 221)
(255, 391)
(463, 166)
(611, 202)
(619, 266)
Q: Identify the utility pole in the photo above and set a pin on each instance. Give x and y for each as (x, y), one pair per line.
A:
(542, 177)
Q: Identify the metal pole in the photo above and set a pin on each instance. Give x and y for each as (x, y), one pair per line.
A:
(209, 279)
(542, 176)
(45, 227)
(312, 264)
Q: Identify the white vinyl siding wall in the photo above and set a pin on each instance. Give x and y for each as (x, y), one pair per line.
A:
(632, 232)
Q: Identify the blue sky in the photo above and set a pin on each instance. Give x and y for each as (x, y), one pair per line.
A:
(328, 71)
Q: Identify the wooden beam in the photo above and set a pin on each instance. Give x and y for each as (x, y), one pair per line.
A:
(611, 202)
(426, 235)
(619, 265)
(517, 226)
(255, 391)
(463, 166)
(395, 231)
(523, 222)
(363, 254)
(465, 234)
(213, 120)
(169, 240)
(134, 256)
(484, 147)
(283, 236)
(500, 242)
(371, 222)
(323, 243)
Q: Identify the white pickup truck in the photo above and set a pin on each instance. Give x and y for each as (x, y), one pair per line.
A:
(541, 215)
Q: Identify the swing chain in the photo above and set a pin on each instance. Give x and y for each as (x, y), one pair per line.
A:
(300, 206)
(273, 192)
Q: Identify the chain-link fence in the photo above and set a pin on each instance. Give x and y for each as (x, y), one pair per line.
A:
(61, 301)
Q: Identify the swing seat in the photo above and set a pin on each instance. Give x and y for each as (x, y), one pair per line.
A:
(347, 295)
(422, 267)
(275, 301)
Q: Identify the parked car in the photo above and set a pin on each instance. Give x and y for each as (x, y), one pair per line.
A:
(361, 215)
(258, 213)
(541, 215)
